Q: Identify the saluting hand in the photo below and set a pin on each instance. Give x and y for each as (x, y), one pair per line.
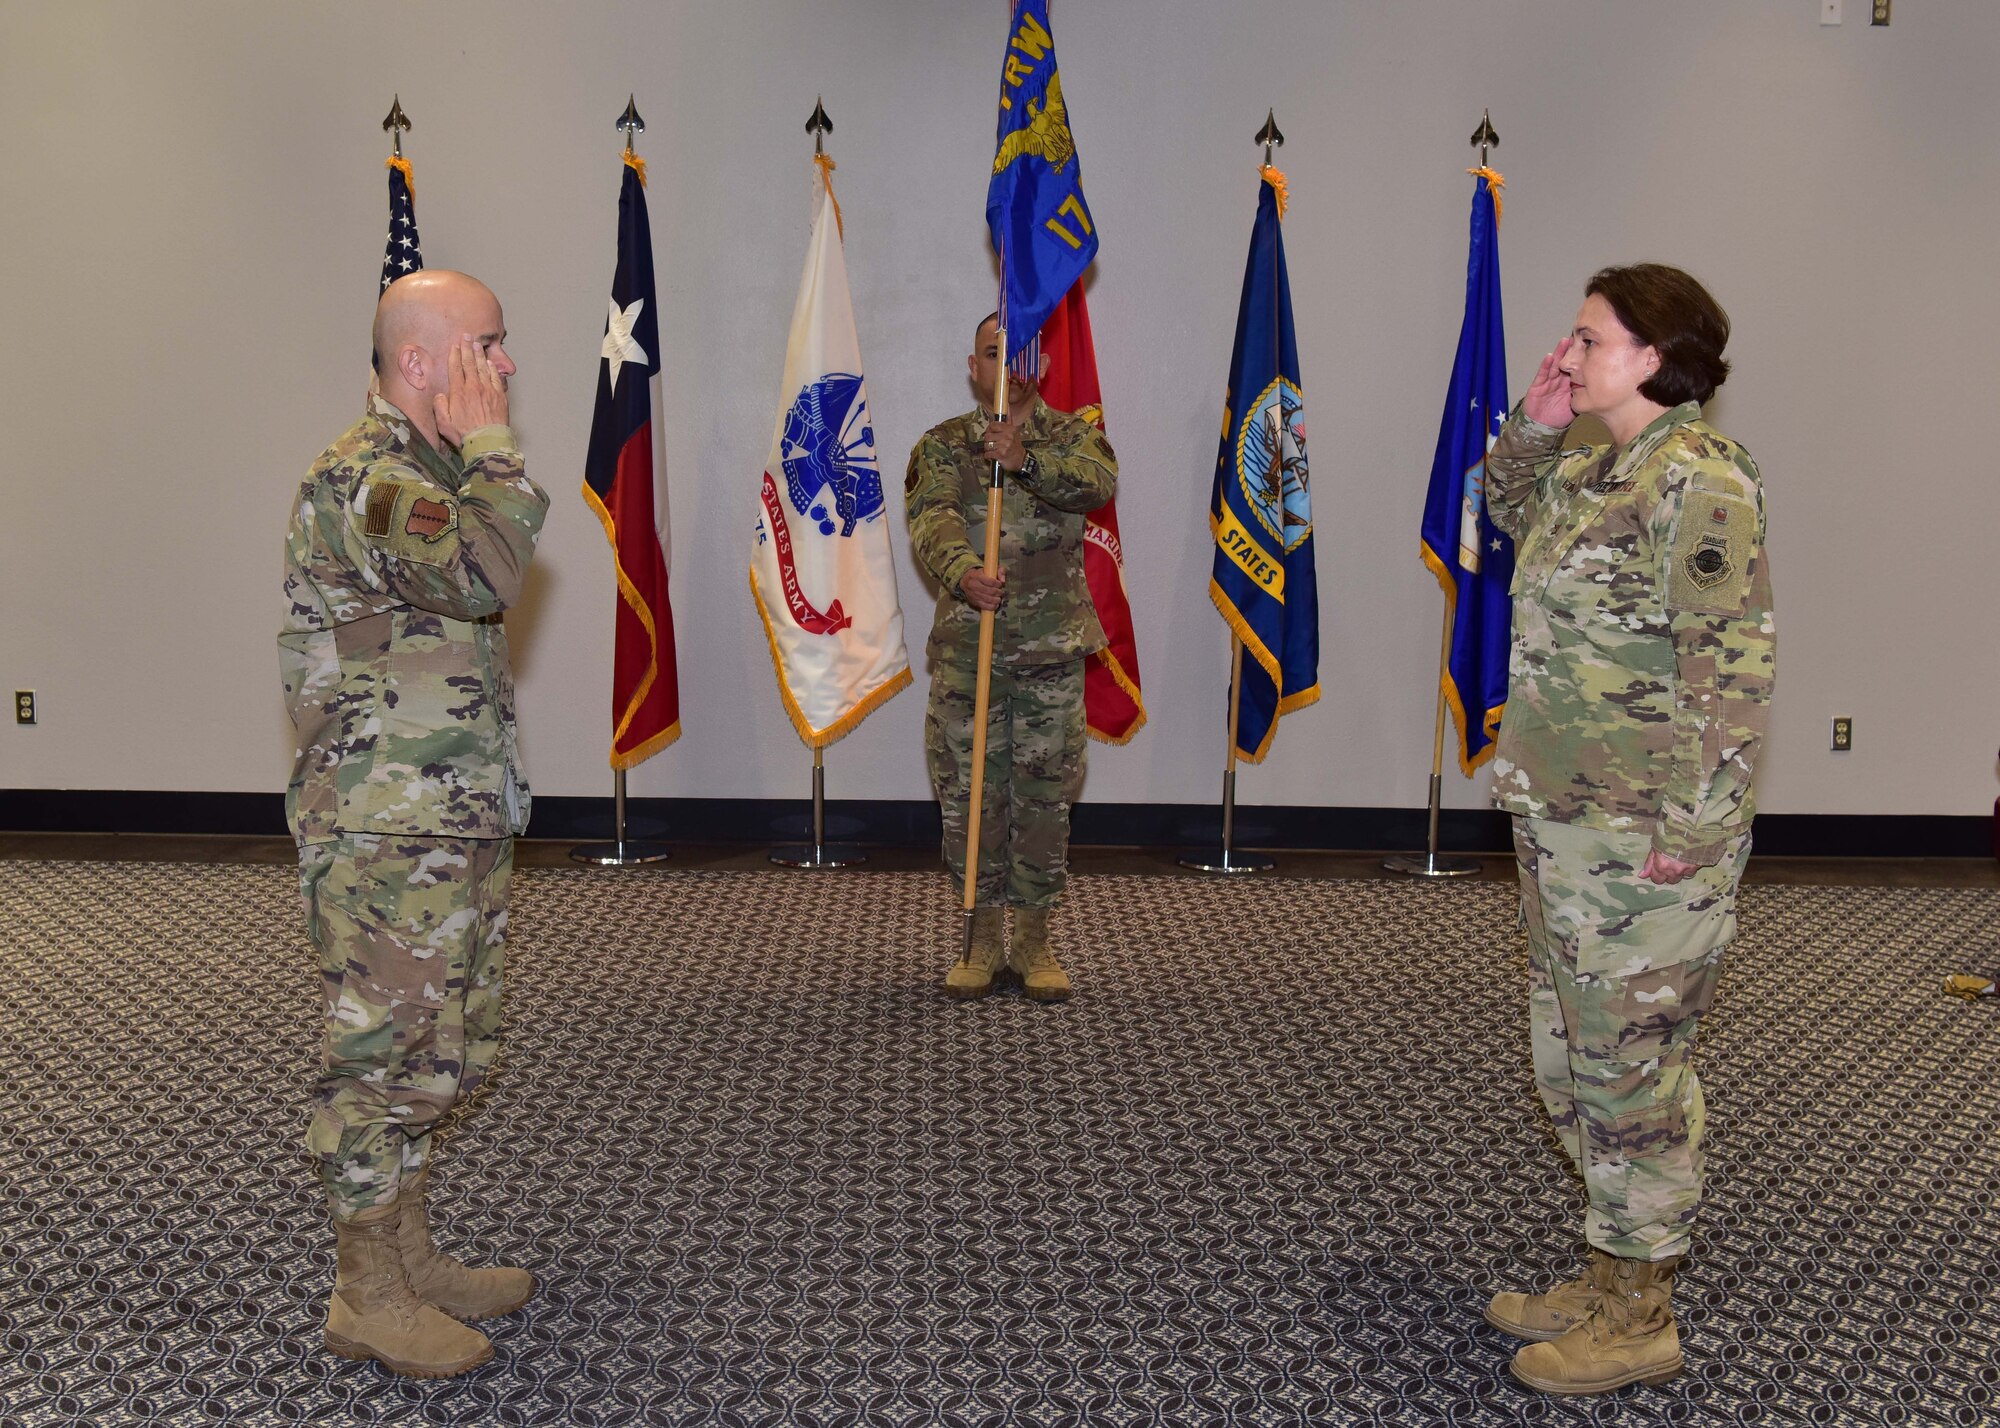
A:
(1547, 400)
(476, 397)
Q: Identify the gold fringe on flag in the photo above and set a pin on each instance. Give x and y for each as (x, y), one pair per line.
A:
(1496, 182)
(397, 161)
(637, 165)
(826, 168)
(1277, 181)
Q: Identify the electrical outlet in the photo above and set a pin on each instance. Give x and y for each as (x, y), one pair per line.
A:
(1829, 12)
(24, 706)
(1843, 734)
(1881, 15)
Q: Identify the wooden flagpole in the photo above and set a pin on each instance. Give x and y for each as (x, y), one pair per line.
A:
(982, 689)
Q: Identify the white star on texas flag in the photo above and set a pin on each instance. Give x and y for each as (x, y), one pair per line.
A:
(620, 346)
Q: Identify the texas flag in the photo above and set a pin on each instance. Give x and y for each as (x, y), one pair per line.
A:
(618, 484)
(820, 564)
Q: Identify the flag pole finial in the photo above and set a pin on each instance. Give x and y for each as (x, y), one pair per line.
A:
(396, 123)
(629, 123)
(1484, 136)
(819, 126)
(1270, 136)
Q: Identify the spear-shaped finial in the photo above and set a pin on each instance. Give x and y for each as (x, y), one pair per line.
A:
(1484, 136)
(819, 126)
(629, 123)
(396, 123)
(1269, 136)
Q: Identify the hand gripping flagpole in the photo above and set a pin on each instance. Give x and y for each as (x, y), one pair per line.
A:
(1431, 865)
(1232, 859)
(622, 852)
(819, 853)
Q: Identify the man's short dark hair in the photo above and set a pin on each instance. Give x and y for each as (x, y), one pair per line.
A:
(1667, 310)
(990, 317)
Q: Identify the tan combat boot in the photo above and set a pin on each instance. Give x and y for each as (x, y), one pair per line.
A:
(466, 1294)
(972, 975)
(1542, 1317)
(1042, 976)
(376, 1315)
(1628, 1336)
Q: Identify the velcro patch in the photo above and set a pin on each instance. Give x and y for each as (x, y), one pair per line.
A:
(428, 519)
(1708, 572)
(381, 510)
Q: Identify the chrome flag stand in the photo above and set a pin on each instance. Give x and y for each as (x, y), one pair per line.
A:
(819, 853)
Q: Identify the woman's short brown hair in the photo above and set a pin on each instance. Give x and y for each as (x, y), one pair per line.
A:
(1668, 310)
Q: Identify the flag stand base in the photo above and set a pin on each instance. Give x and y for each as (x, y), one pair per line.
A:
(1226, 860)
(620, 855)
(817, 855)
(621, 852)
(1430, 865)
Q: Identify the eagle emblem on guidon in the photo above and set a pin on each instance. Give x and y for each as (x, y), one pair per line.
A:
(1046, 133)
(1271, 463)
(828, 451)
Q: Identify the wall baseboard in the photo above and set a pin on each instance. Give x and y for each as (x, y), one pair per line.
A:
(911, 823)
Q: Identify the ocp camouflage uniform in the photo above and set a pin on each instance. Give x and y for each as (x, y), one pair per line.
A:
(1044, 630)
(1638, 694)
(407, 788)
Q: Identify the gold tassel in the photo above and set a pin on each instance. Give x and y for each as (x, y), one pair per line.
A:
(1496, 183)
(397, 161)
(1277, 181)
(637, 165)
(826, 167)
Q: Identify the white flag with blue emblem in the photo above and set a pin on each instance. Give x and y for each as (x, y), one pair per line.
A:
(820, 565)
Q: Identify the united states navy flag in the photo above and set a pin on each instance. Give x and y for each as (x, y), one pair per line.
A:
(1471, 558)
(1261, 510)
(618, 484)
(1041, 226)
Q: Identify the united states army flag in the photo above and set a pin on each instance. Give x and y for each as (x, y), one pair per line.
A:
(820, 565)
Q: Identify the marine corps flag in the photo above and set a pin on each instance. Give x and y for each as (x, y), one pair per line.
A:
(1041, 225)
(618, 483)
(1472, 559)
(1113, 708)
(820, 568)
(1261, 509)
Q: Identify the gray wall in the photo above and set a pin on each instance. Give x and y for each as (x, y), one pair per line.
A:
(194, 204)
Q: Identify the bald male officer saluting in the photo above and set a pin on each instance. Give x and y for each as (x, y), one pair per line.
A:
(411, 534)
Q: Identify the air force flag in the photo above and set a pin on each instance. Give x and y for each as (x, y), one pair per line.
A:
(820, 566)
(1472, 559)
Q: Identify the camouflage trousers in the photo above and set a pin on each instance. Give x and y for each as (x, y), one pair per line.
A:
(411, 935)
(1620, 971)
(1034, 769)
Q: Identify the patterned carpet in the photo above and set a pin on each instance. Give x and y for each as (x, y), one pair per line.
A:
(1263, 1170)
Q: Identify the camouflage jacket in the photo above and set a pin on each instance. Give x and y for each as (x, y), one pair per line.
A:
(397, 565)
(1048, 615)
(1639, 687)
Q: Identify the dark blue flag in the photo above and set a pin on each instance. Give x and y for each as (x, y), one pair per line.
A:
(1041, 226)
(401, 252)
(1472, 559)
(1261, 508)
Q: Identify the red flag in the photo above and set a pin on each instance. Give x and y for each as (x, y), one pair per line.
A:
(1113, 709)
(618, 484)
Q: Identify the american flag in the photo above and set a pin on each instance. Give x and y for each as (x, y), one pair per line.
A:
(402, 252)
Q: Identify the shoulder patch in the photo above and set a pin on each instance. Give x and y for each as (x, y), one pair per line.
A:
(411, 520)
(1709, 565)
